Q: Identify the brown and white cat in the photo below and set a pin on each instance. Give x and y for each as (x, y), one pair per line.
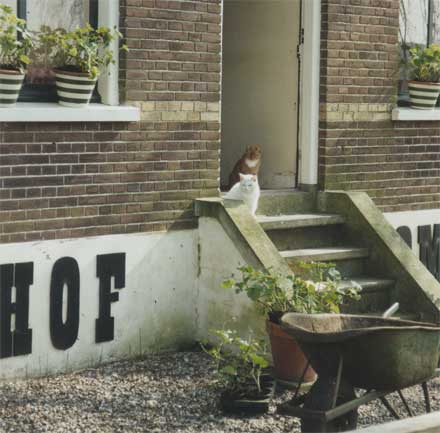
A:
(249, 163)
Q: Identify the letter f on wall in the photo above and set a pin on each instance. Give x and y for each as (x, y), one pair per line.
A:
(108, 266)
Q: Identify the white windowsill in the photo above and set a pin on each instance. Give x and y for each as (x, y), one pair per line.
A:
(408, 113)
(53, 112)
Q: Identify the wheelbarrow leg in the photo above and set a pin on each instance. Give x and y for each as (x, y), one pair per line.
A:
(426, 394)
(389, 407)
(338, 380)
(327, 393)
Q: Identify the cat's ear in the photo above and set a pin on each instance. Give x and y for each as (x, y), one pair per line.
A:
(254, 178)
(241, 176)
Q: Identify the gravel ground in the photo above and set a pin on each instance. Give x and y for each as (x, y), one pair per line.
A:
(166, 393)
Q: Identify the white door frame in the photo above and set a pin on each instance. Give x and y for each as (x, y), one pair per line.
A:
(309, 95)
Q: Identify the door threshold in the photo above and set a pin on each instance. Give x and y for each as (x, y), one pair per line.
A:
(279, 191)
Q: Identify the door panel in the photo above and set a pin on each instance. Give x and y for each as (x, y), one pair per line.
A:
(260, 82)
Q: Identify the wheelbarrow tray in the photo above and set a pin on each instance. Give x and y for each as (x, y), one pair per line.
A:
(377, 353)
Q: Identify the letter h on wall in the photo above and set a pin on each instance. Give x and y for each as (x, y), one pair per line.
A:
(18, 341)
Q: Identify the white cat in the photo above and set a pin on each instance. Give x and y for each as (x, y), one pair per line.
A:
(246, 190)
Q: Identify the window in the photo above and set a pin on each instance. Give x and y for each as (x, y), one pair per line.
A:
(37, 102)
(39, 85)
(419, 25)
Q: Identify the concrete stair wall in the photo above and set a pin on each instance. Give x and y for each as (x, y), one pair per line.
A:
(338, 227)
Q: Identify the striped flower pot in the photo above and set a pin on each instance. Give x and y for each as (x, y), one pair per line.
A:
(74, 89)
(423, 95)
(10, 86)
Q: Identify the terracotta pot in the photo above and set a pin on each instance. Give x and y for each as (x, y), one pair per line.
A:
(288, 359)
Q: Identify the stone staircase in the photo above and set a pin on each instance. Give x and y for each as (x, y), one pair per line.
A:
(316, 237)
(344, 228)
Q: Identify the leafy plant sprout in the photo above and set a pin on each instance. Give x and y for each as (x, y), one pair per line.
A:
(239, 362)
(15, 41)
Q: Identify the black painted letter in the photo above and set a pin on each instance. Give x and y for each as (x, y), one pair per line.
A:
(108, 266)
(18, 341)
(429, 248)
(65, 272)
(405, 234)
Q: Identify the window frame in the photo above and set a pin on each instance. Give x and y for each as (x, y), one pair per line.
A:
(403, 97)
(47, 92)
(108, 110)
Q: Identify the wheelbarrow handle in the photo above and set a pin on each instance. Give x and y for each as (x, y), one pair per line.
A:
(391, 310)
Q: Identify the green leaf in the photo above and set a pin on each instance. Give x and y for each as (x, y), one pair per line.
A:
(229, 369)
(25, 59)
(259, 360)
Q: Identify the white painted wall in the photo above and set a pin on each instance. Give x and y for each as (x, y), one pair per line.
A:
(218, 307)
(156, 310)
(170, 298)
(414, 219)
(173, 293)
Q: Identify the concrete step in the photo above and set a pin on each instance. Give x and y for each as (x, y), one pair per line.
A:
(288, 201)
(317, 236)
(324, 254)
(281, 222)
(369, 285)
(376, 295)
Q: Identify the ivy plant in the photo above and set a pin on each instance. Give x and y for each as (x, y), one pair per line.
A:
(275, 294)
(15, 41)
(239, 362)
(84, 50)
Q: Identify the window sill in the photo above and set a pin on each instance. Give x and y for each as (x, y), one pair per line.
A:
(408, 113)
(53, 112)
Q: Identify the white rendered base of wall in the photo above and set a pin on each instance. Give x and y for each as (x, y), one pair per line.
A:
(220, 308)
(413, 220)
(156, 309)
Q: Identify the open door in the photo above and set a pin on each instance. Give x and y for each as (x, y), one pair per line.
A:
(260, 87)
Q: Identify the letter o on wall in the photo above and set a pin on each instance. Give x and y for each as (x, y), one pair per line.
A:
(65, 271)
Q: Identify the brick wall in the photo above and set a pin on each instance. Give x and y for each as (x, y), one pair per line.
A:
(70, 180)
(361, 148)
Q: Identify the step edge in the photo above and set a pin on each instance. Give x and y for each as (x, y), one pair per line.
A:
(347, 253)
(372, 285)
(300, 223)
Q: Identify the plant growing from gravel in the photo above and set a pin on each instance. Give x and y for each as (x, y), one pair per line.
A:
(275, 294)
(239, 362)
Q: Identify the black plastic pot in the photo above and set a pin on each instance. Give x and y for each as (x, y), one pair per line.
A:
(252, 404)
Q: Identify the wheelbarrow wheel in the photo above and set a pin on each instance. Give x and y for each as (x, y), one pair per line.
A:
(320, 398)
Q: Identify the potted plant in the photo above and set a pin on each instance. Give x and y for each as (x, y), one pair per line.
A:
(275, 294)
(241, 372)
(424, 71)
(15, 45)
(80, 56)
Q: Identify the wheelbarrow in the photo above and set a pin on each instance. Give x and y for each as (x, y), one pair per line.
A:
(376, 354)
